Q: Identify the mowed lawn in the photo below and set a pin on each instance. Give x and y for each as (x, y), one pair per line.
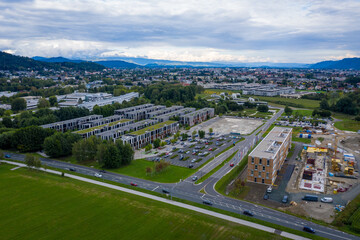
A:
(37, 205)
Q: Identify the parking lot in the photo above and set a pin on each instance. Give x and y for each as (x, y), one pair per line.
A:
(194, 152)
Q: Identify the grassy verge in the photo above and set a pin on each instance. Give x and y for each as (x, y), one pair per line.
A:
(206, 176)
(87, 211)
(268, 130)
(347, 220)
(348, 123)
(302, 112)
(291, 152)
(303, 103)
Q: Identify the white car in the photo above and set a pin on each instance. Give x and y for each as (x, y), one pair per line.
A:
(194, 160)
(98, 175)
(327, 200)
(269, 189)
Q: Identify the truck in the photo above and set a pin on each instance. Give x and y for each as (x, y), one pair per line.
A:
(312, 198)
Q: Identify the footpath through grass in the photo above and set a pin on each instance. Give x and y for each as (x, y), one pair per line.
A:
(37, 205)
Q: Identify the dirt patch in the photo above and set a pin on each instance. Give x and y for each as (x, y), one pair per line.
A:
(316, 210)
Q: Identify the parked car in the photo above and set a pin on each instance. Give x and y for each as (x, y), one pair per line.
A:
(194, 153)
(187, 152)
(193, 160)
(308, 229)
(181, 151)
(181, 157)
(207, 202)
(98, 175)
(248, 213)
(194, 178)
(266, 196)
(285, 199)
(269, 189)
(326, 200)
(133, 184)
(7, 156)
(165, 191)
(102, 171)
(191, 165)
(210, 149)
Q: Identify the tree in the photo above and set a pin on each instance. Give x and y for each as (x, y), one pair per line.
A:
(211, 130)
(263, 108)
(18, 104)
(30, 139)
(7, 122)
(324, 105)
(193, 134)
(108, 155)
(85, 150)
(1, 154)
(43, 103)
(148, 170)
(60, 144)
(148, 147)
(32, 161)
(201, 133)
(156, 143)
(126, 152)
(53, 101)
(184, 136)
(288, 111)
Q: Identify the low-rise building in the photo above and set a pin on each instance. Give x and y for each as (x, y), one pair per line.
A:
(71, 124)
(198, 116)
(268, 157)
(85, 133)
(178, 113)
(130, 109)
(163, 111)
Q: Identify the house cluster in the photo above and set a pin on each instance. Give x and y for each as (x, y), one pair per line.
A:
(138, 125)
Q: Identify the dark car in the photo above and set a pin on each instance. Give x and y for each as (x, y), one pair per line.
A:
(207, 202)
(7, 156)
(248, 213)
(191, 165)
(102, 171)
(165, 191)
(72, 169)
(285, 199)
(266, 196)
(309, 229)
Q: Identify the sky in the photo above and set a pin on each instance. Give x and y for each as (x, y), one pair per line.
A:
(292, 31)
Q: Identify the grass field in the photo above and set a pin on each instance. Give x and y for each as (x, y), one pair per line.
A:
(348, 123)
(137, 169)
(349, 219)
(302, 112)
(301, 103)
(36, 205)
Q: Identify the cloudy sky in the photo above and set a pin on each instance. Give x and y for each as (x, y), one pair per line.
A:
(200, 30)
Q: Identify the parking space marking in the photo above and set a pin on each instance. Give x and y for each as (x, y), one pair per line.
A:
(155, 188)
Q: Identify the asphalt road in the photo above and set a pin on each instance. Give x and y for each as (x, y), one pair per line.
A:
(189, 191)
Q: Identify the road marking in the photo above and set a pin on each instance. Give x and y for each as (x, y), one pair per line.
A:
(14, 168)
(155, 188)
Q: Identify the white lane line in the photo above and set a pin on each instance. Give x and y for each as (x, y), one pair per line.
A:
(155, 188)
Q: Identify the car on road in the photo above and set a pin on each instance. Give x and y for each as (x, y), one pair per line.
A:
(133, 184)
(191, 165)
(248, 213)
(266, 196)
(285, 199)
(193, 160)
(309, 229)
(72, 169)
(194, 178)
(210, 149)
(7, 156)
(102, 171)
(232, 164)
(326, 200)
(98, 175)
(207, 202)
(164, 190)
(269, 189)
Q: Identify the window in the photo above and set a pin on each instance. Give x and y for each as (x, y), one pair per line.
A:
(252, 173)
(268, 162)
(267, 175)
(263, 168)
(259, 174)
(255, 167)
(254, 179)
(252, 160)
(260, 161)
(262, 180)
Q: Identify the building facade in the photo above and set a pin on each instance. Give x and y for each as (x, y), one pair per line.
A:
(198, 116)
(268, 157)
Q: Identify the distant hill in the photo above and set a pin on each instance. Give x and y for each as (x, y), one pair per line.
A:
(56, 59)
(18, 63)
(346, 63)
(118, 64)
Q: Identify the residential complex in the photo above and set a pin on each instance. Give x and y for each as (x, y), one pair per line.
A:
(198, 116)
(267, 158)
(72, 124)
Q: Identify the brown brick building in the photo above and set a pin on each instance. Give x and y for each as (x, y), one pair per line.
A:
(268, 157)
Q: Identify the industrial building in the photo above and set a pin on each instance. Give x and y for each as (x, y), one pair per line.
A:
(268, 157)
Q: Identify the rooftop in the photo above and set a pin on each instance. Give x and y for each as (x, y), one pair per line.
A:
(153, 127)
(101, 126)
(269, 146)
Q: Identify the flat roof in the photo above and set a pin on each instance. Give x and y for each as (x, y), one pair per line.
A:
(127, 127)
(270, 145)
(73, 120)
(198, 111)
(101, 126)
(153, 127)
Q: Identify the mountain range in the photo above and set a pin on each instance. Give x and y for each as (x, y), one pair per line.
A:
(13, 62)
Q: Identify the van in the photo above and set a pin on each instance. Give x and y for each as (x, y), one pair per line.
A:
(326, 200)
(310, 198)
(269, 189)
